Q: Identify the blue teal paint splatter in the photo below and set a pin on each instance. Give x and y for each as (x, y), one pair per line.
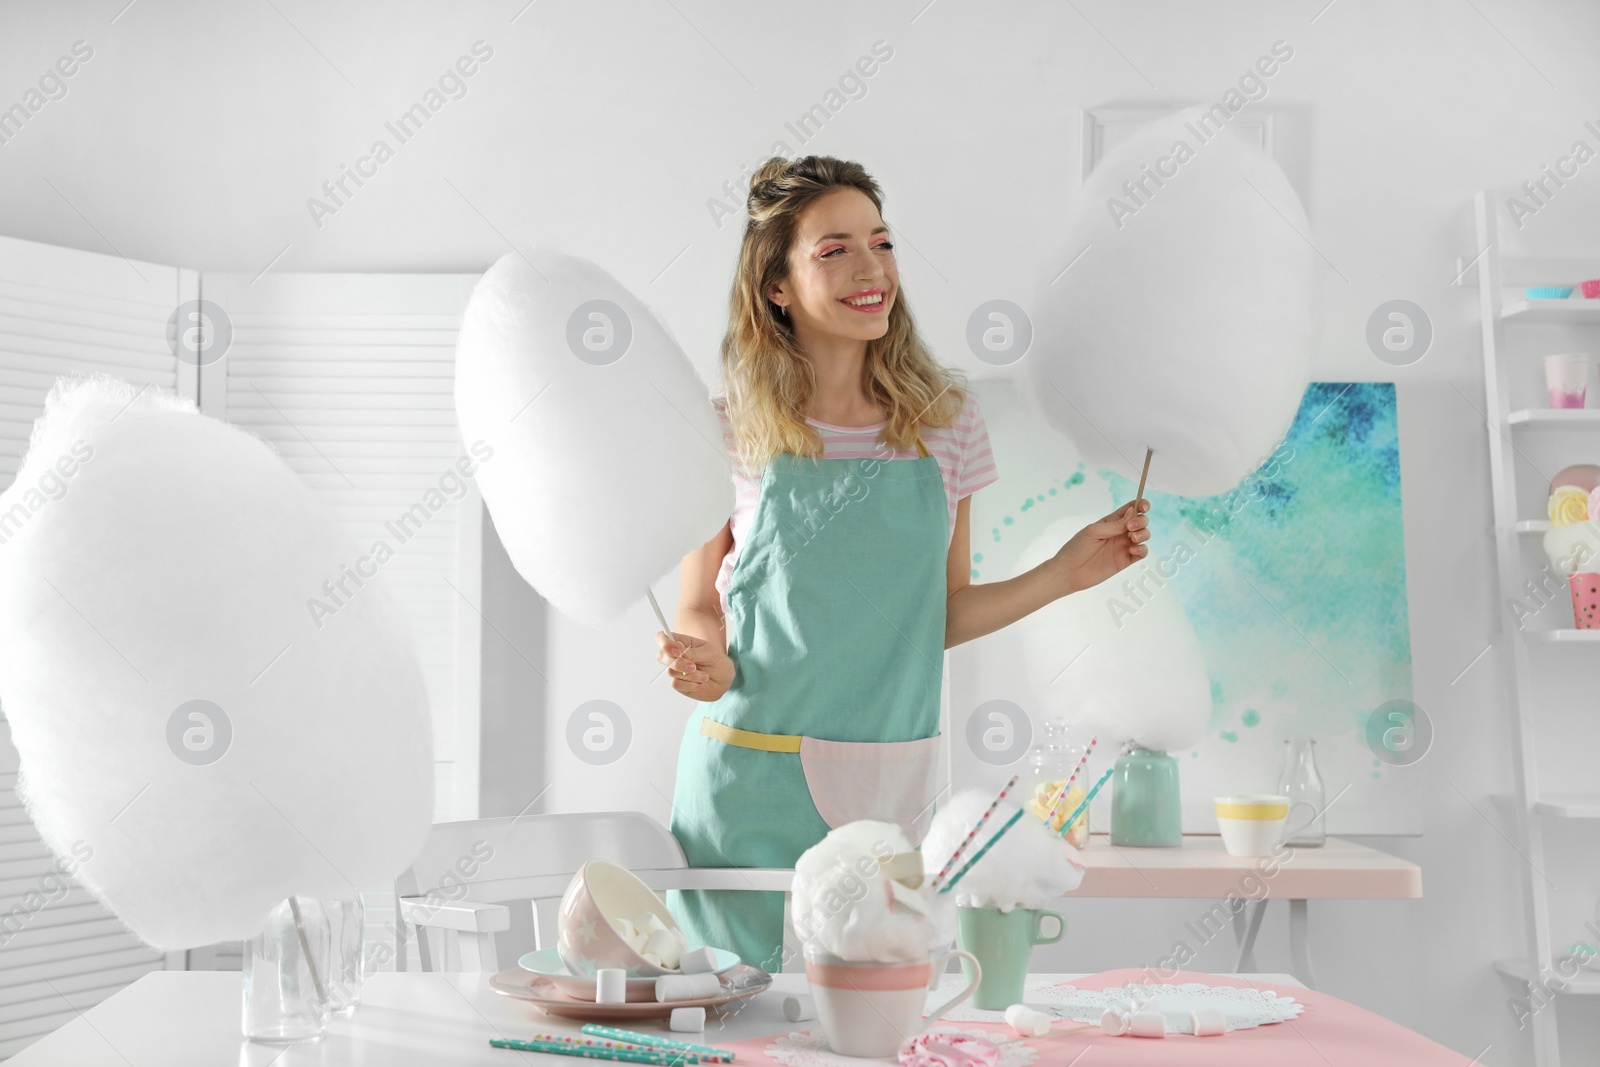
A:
(1296, 580)
(1250, 717)
(1229, 735)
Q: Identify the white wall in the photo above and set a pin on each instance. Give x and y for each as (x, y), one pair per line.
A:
(197, 132)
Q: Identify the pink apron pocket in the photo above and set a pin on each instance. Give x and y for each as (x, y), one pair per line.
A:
(887, 781)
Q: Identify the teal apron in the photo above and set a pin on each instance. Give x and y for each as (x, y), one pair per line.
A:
(835, 623)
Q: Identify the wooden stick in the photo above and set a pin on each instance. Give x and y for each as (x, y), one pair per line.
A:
(659, 614)
(305, 946)
(1148, 452)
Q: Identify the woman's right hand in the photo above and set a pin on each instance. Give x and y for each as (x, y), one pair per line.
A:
(698, 668)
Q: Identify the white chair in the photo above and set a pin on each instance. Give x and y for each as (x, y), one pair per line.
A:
(462, 889)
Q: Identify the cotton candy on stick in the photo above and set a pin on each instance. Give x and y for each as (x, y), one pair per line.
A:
(1029, 867)
(608, 464)
(157, 557)
(1185, 326)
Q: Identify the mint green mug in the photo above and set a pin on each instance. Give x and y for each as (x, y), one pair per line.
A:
(1002, 942)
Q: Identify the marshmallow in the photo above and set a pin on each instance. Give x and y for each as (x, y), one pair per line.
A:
(1208, 1022)
(611, 985)
(651, 958)
(666, 946)
(1028, 1021)
(798, 1009)
(698, 961)
(625, 929)
(652, 922)
(1147, 1023)
(687, 986)
(1114, 1022)
(692, 1020)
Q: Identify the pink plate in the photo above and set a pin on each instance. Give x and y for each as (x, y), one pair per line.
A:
(738, 983)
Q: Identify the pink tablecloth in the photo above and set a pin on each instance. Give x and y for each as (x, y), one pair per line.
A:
(1329, 1033)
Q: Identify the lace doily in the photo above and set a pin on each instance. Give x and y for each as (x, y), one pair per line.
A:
(1244, 1008)
(811, 1050)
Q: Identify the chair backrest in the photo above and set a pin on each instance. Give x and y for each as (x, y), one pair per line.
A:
(531, 858)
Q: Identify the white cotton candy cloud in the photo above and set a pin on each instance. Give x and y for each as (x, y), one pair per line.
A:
(1030, 867)
(1186, 326)
(1120, 660)
(197, 740)
(840, 902)
(608, 460)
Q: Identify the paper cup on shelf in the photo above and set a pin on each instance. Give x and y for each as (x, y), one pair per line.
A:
(1252, 824)
(1566, 377)
(1585, 600)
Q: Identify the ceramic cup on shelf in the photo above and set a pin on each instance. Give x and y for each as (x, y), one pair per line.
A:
(1252, 824)
(1566, 379)
(867, 1009)
(1002, 943)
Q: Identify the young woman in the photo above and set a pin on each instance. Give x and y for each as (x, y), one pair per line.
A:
(813, 626)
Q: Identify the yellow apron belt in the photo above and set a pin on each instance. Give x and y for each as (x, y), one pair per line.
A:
(749, 738)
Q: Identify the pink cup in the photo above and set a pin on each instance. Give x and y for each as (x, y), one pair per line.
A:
(1585, 600)
(868, 1009)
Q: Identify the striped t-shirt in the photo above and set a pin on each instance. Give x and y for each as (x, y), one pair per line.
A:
(961, 449)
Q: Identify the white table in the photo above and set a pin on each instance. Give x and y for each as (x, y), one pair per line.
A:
(191, 1019)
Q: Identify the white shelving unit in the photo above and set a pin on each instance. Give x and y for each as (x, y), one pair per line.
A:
(1515, 551)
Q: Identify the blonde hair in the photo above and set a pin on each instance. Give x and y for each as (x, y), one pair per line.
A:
(767, 379)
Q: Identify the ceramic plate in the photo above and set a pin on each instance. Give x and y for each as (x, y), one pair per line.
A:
(738, 982)
(547, 963)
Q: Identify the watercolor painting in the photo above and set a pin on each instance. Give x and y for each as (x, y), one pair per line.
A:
(1294, 583)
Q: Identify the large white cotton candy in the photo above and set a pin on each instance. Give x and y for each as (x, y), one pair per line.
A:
(153, 557)
(839, 901)
(1186, 326)
(1120, 660)
(1030, 867)
(608, 468)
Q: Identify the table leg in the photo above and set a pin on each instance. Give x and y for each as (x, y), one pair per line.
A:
(1299, 942)
(1246, 962)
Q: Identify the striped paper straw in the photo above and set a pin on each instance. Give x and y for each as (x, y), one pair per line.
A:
(1104, 778)
(987, 845)
(705, 1052)
(598, 1050)
(951, 862)
(1062, 792)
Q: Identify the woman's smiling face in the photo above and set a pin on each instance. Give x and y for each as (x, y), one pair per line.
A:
(841, 253)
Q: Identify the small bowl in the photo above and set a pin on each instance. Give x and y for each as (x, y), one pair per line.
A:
(586, 940)
(1547, 292)
(1591, 288)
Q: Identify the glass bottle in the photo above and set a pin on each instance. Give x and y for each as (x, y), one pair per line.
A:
(285, 998)
(1301, 783)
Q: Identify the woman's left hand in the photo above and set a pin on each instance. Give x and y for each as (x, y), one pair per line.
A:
(1103, 548)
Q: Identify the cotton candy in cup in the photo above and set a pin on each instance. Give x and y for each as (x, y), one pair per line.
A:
(1186, 325)
(181, 713)
(840, 904)
(608, 464)
(1137, 672)
(1030, 867)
